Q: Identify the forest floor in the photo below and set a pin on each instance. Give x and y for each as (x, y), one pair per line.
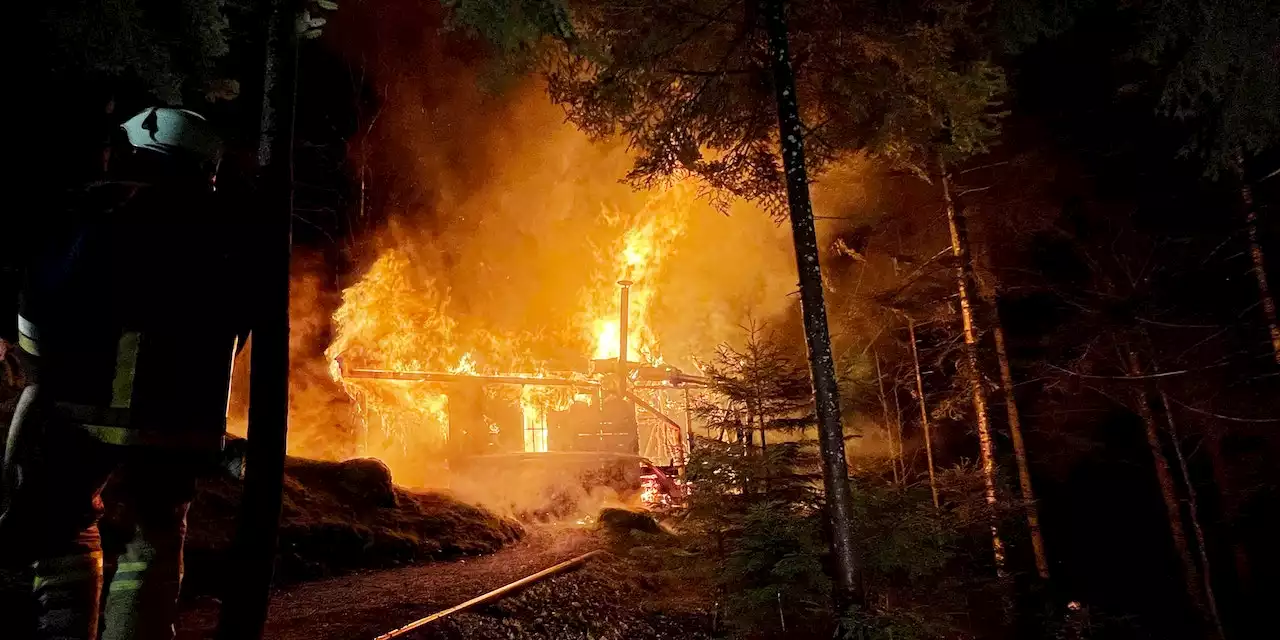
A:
(609, 597)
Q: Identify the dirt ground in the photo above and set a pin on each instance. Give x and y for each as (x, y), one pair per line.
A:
(602, 600)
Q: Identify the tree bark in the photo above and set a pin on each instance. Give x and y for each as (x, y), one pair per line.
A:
(1258, 259)
(688, 427)
(897, 430)
(1193, 513)
(764, 462)
(965, 284)
(1230, 504)
(835, 476)
(1020, 452)
(244, 609)
(764, 454)
(1164, 479)
(924, 411)
(990, 294)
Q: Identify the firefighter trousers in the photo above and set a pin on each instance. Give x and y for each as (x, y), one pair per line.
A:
(56, 477)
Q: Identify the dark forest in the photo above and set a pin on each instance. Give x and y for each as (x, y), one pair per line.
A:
(976, 298)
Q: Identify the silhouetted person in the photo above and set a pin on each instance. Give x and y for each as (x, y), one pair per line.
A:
(126, 329)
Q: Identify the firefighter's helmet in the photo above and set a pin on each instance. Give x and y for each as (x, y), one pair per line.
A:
(174, 132)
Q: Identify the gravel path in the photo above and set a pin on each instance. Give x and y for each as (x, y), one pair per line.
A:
(364, 605)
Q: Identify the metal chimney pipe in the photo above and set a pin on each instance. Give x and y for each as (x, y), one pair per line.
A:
(623, 313)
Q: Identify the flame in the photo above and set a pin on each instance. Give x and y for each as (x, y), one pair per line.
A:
(638, 255)
(390, 318)
(398, 317)
(534, 412)
(606, 332)
(466, 365)
(394, 321)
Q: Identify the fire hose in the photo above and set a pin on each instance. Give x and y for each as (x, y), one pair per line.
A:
(496, 594)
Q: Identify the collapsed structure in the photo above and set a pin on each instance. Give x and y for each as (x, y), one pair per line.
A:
(617, 406)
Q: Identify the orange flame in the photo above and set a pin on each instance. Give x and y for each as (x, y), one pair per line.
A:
(637, 255)
(398, 318)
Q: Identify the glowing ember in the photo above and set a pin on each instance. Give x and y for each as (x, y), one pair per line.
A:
(651, 492)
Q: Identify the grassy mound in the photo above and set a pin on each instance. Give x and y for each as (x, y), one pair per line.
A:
(337, 517)
(335, 521)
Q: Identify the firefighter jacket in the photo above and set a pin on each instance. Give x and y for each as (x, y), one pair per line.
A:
(127, 318)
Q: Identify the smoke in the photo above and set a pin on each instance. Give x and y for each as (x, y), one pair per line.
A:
(523, 236)
(321, 424)
(512, 212)
(546, 489)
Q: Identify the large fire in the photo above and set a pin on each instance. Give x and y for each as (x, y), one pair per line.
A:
(399, 317)
(504, 260)
(637, 256)
(502, 235)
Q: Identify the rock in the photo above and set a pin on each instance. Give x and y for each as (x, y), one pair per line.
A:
(627, 520)
(369, 478)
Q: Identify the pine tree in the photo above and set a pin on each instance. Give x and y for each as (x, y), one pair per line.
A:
(760, 387)
(1212, 66)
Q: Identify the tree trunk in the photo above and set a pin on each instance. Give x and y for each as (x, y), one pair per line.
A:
(1193, 512)
(897, 430)
(965, 285)
(924, 411)
(764, 453)
(1165, 480)
(1257, 258)
(244, 609)
(1230, 504)
(1020, 452)
(688, 427)
(894, 457)
(764, 462)
(835, 474)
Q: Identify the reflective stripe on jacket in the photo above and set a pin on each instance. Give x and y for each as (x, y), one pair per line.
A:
(131, 317)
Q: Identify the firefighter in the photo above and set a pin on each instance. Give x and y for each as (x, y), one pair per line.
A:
(126, 330)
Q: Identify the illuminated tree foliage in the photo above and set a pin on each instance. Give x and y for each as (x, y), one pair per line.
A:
(757, 390)
(688, 84)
